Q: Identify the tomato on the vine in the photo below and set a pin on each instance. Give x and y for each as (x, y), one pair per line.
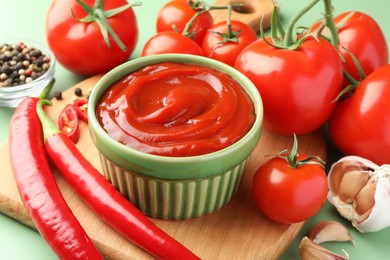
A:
(170, 42)
(290, 190)
(76, 39)
(298, 86)
(360, 35)
(175, 15)
(360, 125)
(224, 44)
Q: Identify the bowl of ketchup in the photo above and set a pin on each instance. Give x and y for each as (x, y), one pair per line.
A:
(175, 132)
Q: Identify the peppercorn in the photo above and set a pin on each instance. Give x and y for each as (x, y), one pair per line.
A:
(17, 60)
(58, 95)
(78, 92)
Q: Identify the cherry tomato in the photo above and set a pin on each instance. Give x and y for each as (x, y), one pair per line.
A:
(288, 194)
(223, 44)
(175, 14)
(68, 122)
(80, 47)
(361, 35)
(360, 125)
(171, 42)
(297, 86)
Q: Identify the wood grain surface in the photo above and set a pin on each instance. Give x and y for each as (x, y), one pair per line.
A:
(236, 231)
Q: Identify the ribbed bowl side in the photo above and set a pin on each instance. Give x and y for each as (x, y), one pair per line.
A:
(170, 199)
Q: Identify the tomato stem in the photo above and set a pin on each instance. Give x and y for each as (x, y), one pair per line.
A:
(329, 22)
(98, 15)
(200, 9)
(289, 37)
(230, 35)
(292, 157)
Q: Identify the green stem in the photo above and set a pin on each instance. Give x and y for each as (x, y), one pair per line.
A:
(186, 31)
(288, 40)
(350, 79)
(292, 157)
(100, 16)
(329, 22)
(45, 92)
(49, 128)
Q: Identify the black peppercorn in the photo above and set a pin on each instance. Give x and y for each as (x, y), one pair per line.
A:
(17, 60)
(58, 95)
(78, 92)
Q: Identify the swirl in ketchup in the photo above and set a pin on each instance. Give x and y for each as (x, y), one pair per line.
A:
(176, 109)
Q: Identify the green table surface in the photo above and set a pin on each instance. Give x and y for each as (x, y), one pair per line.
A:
(26, 19)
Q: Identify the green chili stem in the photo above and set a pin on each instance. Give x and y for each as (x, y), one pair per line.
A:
(45, 92)
(48, 126)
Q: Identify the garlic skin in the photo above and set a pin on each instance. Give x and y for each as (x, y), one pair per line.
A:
(360, 191)
(309, 250)
(329, 230)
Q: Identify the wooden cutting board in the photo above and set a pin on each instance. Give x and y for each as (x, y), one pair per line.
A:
(236, 231)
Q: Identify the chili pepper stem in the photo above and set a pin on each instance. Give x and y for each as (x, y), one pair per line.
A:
(45, 92)
(48, 125)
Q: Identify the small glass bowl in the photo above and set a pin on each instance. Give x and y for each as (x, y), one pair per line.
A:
(12, 96)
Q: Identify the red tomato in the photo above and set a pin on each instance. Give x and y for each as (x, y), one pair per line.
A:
(289, 195)
(219, 45)
(361, 35)
(175, 14)
(171, 42)
(68, 122)
(297, 86)
(360, 125)
(80, 47)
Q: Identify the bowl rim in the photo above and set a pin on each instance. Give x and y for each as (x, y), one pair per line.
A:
(132, 65)
(45, 50)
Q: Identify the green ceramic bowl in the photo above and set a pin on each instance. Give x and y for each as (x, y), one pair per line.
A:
(174, 187)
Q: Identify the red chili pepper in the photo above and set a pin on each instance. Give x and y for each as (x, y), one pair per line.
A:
(102, 198)
(68, 123)
(38, 188)
(81, 106)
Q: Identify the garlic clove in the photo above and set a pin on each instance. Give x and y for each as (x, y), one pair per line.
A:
(329, 230)
(365, 203)
(379, 217)
(347, 164)
(364, 200)
(310, 250)
(351, 184)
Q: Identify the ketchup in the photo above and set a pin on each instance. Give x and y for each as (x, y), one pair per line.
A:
(176, 109)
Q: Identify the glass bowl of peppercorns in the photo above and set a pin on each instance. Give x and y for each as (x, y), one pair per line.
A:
(26, 67)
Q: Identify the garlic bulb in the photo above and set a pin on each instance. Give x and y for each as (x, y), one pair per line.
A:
(360, 191)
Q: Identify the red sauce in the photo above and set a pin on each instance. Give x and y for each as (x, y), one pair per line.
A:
(175, 109)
